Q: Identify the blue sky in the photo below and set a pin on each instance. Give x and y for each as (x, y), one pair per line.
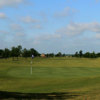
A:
(50, 25)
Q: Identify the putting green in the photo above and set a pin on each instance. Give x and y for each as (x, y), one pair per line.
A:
(38, 72)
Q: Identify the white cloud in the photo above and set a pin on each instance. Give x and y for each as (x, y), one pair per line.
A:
(3, 32)
(79, 28)
(97, 1)
(49, 36)
(4, 3)
(16, 27)
(41, 38)
(29, 19)
(20, 34)
(37, 26)
(44, 16)
(64, 13)
(71, 29)
(98, 36)
(3, 16)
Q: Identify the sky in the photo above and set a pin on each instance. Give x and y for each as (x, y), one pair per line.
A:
(51, 26)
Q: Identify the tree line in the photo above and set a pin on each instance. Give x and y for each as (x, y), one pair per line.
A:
(59, 54)
(86, 55)
(18, 51)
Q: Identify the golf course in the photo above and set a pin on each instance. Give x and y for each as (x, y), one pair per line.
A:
(66, 77)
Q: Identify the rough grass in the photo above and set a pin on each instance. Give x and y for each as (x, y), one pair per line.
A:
(58, 75)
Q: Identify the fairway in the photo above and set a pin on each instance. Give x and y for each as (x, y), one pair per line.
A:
(52, 75)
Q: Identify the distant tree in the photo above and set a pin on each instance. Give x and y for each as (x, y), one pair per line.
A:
(80, 53)
(20, 49)
(47, 55)
(6, 53)
(63, 55)
(90, 55)
(59, 54)
(1, 53)
(34, 52)
(26, 53)
(87, 55)
(93, 55)
(98, 54)
(76, 54)
(15, 52)
(50, 55)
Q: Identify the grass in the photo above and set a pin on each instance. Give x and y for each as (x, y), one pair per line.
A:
(58, 75)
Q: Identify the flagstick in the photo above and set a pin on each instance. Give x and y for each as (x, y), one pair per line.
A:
(31, 67)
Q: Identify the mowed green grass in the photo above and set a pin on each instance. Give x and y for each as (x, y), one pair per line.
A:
(79, 75)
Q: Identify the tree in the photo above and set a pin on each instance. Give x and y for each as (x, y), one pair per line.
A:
(20, 48)
(26, 53)
(76, 54)
(34, 52)
(15, 52)
(87, 55)
(59, 54)
(1, 53)
(93, 55)
(6, 53)
(80, 53)
(63, 55)
(50, 55)
(98, 54)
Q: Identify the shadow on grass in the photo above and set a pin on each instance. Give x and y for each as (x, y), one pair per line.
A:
(36, 96)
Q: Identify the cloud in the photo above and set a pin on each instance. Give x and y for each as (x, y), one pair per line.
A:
(72, 29)
(97, 36)
(65, 13)
(48, 37)
(97, 1)
(36, 26)
(29, 19)
(20, 34)
(79, 28)
(44, 16)
(4, 3)
(41, 38)
(16, 27)
(3, 32)
(2, 16)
